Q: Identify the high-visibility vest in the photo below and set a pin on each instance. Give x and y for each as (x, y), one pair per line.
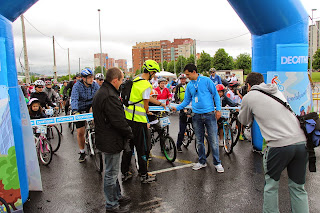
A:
(137, 110)
(182, 92)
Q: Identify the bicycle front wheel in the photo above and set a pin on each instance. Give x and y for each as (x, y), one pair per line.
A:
(6, 207)
(236, 130)
(206, 145)
(98, 162)
(169, 149)
(227, 138)
(45, 152)
(54, 137)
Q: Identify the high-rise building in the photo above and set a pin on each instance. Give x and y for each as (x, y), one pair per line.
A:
(160, 51)
(109, 62)
(314, 38)
(97, 57)
(122, 64)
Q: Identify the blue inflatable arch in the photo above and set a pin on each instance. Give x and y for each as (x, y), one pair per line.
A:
(271, 22)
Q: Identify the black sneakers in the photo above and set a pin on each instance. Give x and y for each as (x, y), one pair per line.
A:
(148, 178)
(124, 200)
(118, 209)
(179, 149)
(82, 157)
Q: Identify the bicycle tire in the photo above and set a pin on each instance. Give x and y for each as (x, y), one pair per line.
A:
(6, 205)
(185, 141)
(54, 137)
(206, 145)
(98, 161)
(236, 130)
(169, 149)
(227, 138)
(60, 129)
(45, 152)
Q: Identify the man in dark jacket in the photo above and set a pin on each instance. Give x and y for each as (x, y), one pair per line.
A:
(112, 131)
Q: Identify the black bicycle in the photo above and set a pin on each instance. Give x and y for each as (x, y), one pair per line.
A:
(4, 207)
(167, 143)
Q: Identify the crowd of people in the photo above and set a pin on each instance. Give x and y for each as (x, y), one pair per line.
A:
(123, 127)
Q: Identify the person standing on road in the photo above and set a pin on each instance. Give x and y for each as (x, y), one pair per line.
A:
(204, 96)
(215, 78)
(81, 100)
(136, 116)
(179, 97)
(111, 134)
(286, 143)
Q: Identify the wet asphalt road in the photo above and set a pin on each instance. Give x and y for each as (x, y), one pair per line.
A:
(69, 186)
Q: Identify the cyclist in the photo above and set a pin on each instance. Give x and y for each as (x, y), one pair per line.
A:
(215, 78)
(81, 101)
(233, 92)
(136, 116)
(64, 98)
(51, 93)
(99, 78)
(35, 111)
(68, 89)
(41, 96)
(56, 86)
(179, 97)
(163, 92)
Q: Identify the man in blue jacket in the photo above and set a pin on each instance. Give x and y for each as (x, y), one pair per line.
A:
(204, 96)
(215, 78)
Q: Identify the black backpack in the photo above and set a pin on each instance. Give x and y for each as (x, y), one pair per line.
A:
(125, 89)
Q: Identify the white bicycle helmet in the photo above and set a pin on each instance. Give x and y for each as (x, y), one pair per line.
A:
(39, 83)
(99, 76)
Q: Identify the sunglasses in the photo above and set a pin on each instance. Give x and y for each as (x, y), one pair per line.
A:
(40, 87)
(101, 79)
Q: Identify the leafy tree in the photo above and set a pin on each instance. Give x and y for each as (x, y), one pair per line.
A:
(165, 65)
(180, 64)
(316, 60)
(98, 70)
(222, 60)
(9, 178)
(191, 59)
(205, 62)
(170, 67)
(243, 61)
(65, 77)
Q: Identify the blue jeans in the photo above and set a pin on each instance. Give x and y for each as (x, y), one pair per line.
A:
(112, 189)
(208, 121)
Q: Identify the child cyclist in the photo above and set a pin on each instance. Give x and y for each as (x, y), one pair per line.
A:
(225, 101)
(35, 109)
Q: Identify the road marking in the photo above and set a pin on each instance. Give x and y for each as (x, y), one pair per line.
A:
(156, 199)
(177, 160)
(172, 169)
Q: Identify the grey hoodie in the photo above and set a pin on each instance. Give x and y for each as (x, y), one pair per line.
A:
(279, 127)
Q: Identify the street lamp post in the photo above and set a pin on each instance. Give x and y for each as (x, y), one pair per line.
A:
(100, 44)
(311, 45)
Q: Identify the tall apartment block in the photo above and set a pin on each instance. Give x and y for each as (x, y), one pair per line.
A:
(110, 62)
(314, 38)
(163, 50)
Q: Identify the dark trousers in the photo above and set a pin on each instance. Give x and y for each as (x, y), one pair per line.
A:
(182, 128)
(141, 142)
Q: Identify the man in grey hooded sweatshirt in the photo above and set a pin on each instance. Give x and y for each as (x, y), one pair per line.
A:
(286, 143)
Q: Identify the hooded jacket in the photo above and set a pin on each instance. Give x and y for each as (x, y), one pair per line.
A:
(111, 127)
(279, 127)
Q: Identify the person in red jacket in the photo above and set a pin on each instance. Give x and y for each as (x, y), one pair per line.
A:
(163, 92)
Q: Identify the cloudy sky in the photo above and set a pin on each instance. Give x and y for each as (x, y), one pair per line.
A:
(75, 25)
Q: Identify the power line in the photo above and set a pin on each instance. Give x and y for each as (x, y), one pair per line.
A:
(36, 28)
(60, 45)
(226, 39)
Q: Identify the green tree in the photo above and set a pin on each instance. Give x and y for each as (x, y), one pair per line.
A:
(98, 70)
(222, 60)
(191, 59)
(243, 61)
(65, 77)
(205, 62)
(170, 67)
(316, 60)
(165, 65)
(180, 64)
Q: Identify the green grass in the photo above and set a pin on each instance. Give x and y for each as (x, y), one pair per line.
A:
(315, 76)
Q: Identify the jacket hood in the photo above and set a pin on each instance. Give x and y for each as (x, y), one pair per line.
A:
(269, 88)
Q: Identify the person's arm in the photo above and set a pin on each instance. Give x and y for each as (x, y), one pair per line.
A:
(75, 98)
(215, 95)
(49, 102)
(229, 102)
(245, 116)
(219, 80)
(156, 102)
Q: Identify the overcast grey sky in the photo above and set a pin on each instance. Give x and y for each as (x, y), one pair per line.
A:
(74, 23)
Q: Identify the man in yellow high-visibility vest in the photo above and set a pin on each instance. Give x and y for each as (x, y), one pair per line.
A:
(136, 115)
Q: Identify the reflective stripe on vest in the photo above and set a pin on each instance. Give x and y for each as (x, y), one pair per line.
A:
(137, 112)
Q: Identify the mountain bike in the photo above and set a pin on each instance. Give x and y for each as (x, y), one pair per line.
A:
(228, 139)
(235, 126)
(168, 147)
(4, 207)
(43, 146)
(91, 146)
(53, 134)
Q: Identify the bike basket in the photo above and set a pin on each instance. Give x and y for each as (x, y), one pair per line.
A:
(41, 129)
(49, 112)
(225, 113)
(164, 121)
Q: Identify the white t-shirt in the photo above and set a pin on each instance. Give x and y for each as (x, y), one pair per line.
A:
(235, 98)
(146, 93)
(234, 78)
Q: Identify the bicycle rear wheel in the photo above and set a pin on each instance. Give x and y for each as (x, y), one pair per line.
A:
(206, 145)
(6, 207)
(45, 152)
(236, 130)
(98, 161)
(227, 138)
(169, 149)
(54, 137)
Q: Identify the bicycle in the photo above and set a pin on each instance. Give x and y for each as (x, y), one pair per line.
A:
(43, 146)
(4, 207)
(228, 139)
(91, 146)
(53, 134)
(235, 126)
(168, 147)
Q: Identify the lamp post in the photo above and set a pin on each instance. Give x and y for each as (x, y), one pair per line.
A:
(100, 44)
(311, 45)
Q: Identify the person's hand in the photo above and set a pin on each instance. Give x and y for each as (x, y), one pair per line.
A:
(163, 105)
(148, 125)
(56, 108)
(173, 109)
(218, 115)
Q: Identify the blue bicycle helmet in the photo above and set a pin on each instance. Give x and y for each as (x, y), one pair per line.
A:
(85, 72)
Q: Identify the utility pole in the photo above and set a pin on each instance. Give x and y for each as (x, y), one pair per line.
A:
(100, 44)
(26, 62)
(54, 61)
(69, 65)
(195, 52)
(311, 45)
(79, 66)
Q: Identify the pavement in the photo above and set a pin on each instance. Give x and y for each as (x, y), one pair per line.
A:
(69, 186)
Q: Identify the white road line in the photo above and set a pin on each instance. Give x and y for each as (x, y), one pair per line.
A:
(171, 169)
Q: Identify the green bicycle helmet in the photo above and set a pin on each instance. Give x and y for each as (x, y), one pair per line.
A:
(151, 66)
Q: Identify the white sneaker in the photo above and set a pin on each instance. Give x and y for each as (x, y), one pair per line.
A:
(198, 166)
(219, 168)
